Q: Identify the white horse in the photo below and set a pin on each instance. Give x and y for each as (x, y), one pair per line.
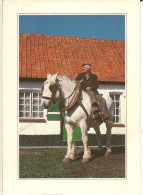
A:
(55, 88)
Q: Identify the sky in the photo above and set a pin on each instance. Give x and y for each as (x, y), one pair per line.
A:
(90, 26)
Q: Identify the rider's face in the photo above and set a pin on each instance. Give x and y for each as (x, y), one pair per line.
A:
(85, 69)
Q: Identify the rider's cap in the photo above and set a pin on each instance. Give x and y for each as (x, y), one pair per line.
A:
(86, 64)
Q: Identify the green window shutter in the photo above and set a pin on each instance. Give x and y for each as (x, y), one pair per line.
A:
(54, 108)
(53, 117)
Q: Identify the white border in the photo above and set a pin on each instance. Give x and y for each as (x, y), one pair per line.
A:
(14, 186)
(1, 99)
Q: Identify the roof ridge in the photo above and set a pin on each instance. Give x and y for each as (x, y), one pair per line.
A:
(64, 36)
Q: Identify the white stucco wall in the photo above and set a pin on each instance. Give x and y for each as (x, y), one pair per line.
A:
(53, 127)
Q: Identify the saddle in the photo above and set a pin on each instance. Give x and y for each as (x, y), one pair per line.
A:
(97, 111)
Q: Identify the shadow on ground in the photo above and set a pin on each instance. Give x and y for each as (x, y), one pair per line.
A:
(95, 153)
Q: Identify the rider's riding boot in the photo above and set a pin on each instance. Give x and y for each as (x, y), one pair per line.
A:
(96, 115)
(107, 118)
(95, 111)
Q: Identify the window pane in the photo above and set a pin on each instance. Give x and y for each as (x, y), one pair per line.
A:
(35, 114)
(117, 104)
(27, 101)
(27, 95)
(117, 97)
(40, 95)
(117, 111)
(27, 114)
(21, 114)
(40, 108)
(112, 96)
(35, 101)
(35, 95)
(21, 101)
(21, 95)
(35, 108)
(41, 114)
(27, 108)
(21, 107)
(117, 118)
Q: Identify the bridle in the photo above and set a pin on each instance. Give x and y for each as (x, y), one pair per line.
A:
(53, 88)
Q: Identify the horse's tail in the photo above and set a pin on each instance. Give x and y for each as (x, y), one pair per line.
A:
(110, 104)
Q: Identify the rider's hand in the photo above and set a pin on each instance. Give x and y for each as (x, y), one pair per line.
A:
(88, 88)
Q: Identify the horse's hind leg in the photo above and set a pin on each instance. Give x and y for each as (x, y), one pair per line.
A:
(108, 137)
(98, 135)
(70, 150)
(87, 153)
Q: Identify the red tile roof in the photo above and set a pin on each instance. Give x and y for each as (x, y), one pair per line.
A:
(42, 54)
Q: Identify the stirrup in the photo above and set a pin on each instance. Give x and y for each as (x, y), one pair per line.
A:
(96, 115)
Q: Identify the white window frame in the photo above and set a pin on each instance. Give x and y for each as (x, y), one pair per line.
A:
(120, 108)
(31, 91)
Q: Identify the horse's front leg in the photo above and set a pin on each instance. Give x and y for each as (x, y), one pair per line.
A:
(70, 150)
(108, 137)
(87, 153)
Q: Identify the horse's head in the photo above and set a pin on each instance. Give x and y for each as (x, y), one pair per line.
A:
(50, 91)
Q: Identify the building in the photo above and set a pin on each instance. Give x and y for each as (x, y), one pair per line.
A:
(42, 54)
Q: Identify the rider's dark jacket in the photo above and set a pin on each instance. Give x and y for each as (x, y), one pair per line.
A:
(92, 81)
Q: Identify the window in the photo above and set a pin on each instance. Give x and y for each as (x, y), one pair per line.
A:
(117, 109)
(30, 105)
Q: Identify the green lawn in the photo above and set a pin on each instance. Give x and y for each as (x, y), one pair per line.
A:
(47, 163)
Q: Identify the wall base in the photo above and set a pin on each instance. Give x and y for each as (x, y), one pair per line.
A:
(55, 140)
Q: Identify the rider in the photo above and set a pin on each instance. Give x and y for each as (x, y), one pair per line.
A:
(90, 83)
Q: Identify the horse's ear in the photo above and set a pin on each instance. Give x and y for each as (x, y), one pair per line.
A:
(48, 75)
(55, 76)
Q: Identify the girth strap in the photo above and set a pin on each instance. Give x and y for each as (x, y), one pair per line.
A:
(80, 103)
(89, 118)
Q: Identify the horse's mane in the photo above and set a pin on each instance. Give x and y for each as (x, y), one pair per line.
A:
(65, 78)
(66, 82)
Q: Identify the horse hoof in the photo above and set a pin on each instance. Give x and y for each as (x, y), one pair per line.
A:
(66, 160)
(108, 152)
(85, 160)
